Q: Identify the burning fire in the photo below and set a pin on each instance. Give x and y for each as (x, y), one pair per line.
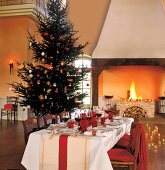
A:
(133, 95)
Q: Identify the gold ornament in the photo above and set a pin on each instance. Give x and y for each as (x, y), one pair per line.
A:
(49, 90)
(48, 83)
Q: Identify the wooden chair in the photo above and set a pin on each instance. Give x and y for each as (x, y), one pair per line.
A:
(127, 157)
(29, 125)
(10, 108)
(45, 120)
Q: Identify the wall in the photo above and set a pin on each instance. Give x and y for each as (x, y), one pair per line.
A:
(149, 81)
(133, 29)
(13, 46)
(88, 18)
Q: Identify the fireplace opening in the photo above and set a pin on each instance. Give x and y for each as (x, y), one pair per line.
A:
(116, 80)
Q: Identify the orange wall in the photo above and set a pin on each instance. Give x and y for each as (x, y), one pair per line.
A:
(149, 81)
(88, 18)
(13, 46)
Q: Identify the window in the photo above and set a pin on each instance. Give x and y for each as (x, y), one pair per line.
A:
(85, 61)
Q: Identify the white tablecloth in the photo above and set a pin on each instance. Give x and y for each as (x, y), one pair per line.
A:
(98, 147)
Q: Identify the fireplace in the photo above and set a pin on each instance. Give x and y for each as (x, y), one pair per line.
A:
(130, 48)
(112, 77)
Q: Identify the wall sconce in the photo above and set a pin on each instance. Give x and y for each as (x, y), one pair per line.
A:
(11, 66)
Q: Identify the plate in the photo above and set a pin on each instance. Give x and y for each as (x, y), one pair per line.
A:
(113, 123)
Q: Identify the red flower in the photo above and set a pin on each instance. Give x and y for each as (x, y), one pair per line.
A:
(84, 124)
(93, 114)
(93, 121)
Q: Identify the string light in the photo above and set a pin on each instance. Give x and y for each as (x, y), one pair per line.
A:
(153, 136)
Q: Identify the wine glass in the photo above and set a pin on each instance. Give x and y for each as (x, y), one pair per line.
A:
(65, 117)
(77, 118)
(99, 114)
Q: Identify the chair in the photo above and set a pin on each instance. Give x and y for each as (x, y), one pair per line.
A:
(125, 140)
(10, 108)
(45, 120)
(29, 125)
(128, 157)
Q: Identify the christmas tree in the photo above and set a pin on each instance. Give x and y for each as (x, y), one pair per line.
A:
(50, 81)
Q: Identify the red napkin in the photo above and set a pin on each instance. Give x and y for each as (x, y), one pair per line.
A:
(70, 124)
(93, 114)
(63, 152)
(84, 124)
(84, 116)
(110, 116)
(103, 120)
(93, 122)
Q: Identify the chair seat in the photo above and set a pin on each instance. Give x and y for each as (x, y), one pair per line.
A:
(122, 155)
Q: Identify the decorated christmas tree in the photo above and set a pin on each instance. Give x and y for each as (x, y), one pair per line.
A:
(49, 83)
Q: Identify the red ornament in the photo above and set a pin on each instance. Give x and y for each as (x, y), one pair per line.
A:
(72, 40)
(46, 33)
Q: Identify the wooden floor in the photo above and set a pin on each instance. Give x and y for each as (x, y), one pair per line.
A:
(12, 144)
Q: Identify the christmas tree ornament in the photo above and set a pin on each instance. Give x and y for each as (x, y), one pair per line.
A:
(70, 80)
(48, 83)
(30, 75)
(62, 63)
(65, 89)
(30, 71)
(38, 82)
(46, 97)
(21, 66)
(56, 91)
(49, 90)
(46, 33)
(72, 40)
(41, 97)
(54, 84)
(43, 53)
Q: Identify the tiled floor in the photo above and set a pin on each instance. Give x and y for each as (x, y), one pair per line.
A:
(12, 144)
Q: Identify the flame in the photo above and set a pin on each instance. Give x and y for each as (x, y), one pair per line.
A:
(133, 95)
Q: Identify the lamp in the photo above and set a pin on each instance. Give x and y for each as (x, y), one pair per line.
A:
(11, 66)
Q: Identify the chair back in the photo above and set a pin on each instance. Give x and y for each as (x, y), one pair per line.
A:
(29, 125)
(12, 100)
(49, 118)
(45, 120)
(135, 140)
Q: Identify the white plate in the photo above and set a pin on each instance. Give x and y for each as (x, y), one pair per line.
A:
(113, 123)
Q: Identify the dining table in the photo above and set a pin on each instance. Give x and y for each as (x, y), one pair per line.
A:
(61, 148)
